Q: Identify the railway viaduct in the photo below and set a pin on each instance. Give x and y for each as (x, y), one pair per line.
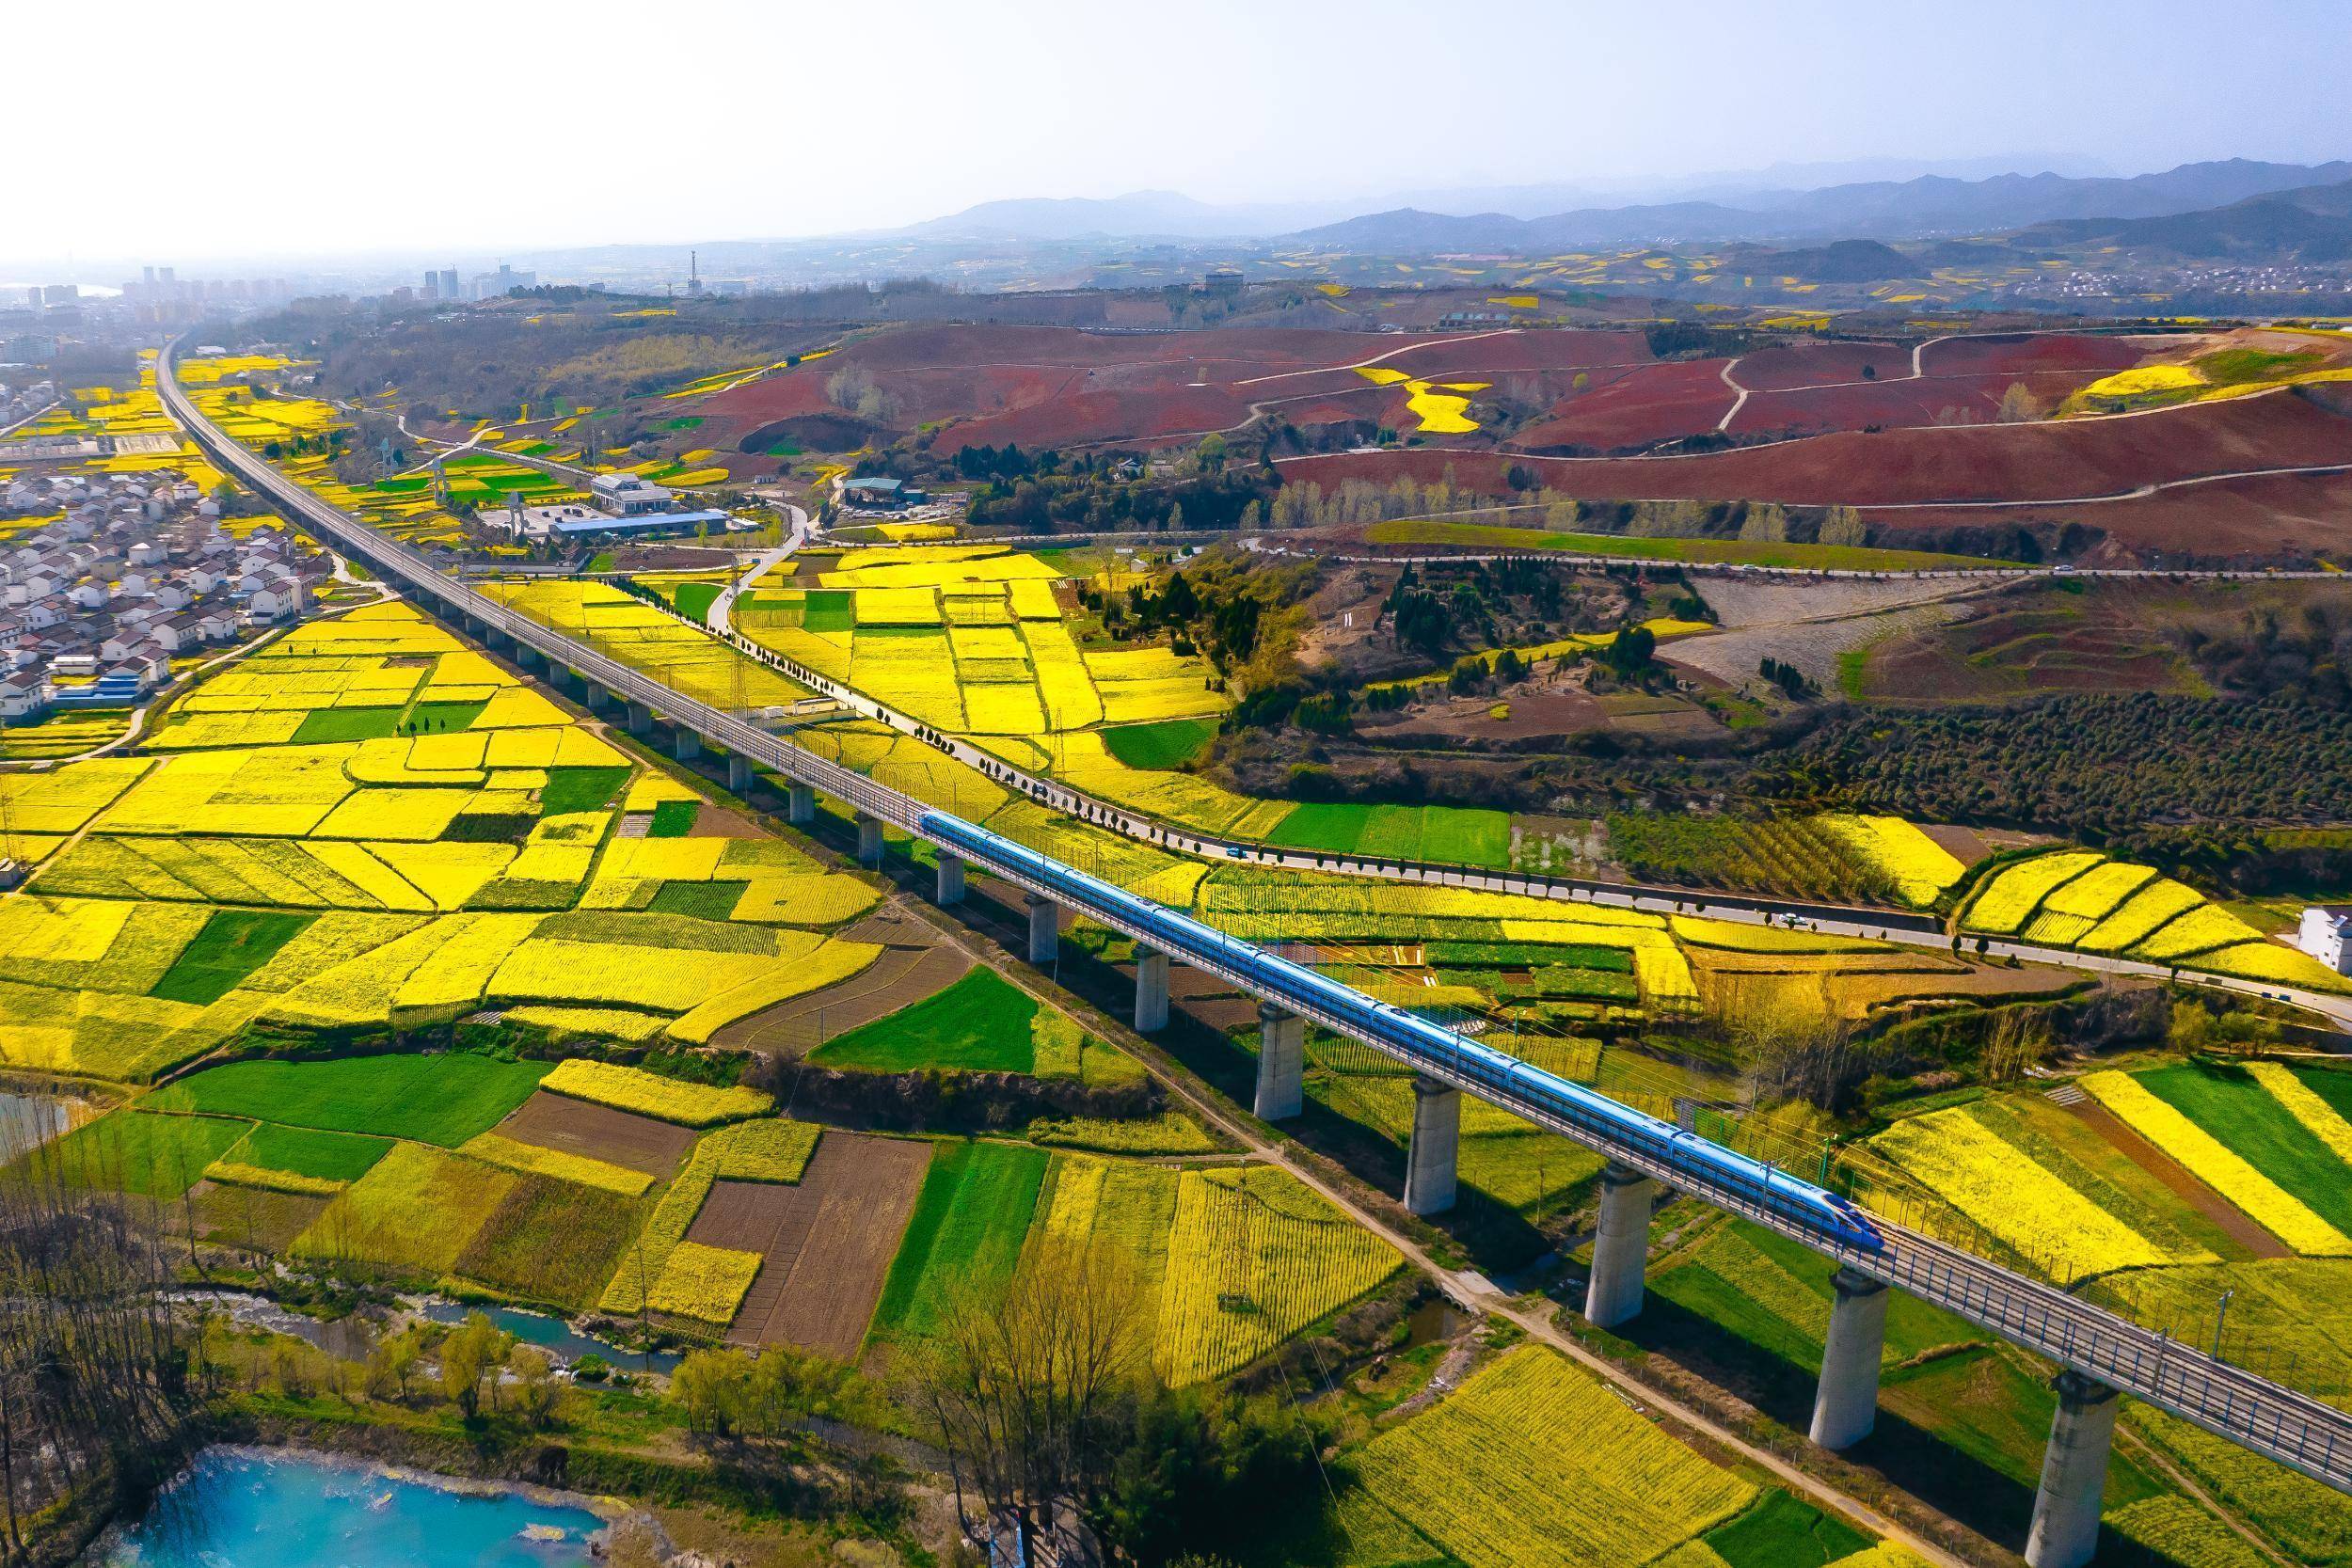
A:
(2102, 1355)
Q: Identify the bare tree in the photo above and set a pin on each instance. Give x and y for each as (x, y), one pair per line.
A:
(95, 1384)
(1023, 1392)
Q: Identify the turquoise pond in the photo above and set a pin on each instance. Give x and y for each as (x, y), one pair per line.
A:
(242, 1507)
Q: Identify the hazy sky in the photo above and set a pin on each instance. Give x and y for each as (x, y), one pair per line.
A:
(168, 131)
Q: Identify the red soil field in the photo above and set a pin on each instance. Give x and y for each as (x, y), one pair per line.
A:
(1656, 402)
(2041, 351)
(1929, 400)
(1059, 387)
(2286, 515)
(1817, 364)
(2041, 463)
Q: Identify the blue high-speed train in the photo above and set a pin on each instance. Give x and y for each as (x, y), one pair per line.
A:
(1462, 1060)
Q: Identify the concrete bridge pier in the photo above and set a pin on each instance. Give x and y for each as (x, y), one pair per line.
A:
(2074, 1474)
(1845, 1405)
(1430, 1176)
(1620, 1247)
(686, 746)
(869, 839)
(592, 697)
(1044, 928)
(1281, 1064)
(1151, 990)
(799, 805)
(950, 878)
(528, 658)
(739, 775)
(640, 720)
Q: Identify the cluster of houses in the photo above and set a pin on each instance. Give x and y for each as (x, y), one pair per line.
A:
(136, 571)
(21, 401)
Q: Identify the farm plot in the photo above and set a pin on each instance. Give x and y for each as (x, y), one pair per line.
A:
(152, 1156)
(1252, 1257)
(2246, 1115)
(1777, 1295)
(757, 1152)
(634, 633)
(2082, 899)
(2219, 1166)
(982, 1023)
(550, 1241)
(598, 1132)
(965, 1235)
(1991, 1179)
(1919, 868)
(413, 1215)
(970, 638)
(1446, 834)
(652, 1095)
(1802, 857)
(441, 1099)
(825, 1243)
(1530, 1464)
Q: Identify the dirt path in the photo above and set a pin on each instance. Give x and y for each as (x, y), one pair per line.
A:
(2148, 1157)
(1741, 401)
(1378, 358)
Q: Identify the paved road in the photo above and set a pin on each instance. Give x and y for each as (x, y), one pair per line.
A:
(1260, 545)
(723, 608)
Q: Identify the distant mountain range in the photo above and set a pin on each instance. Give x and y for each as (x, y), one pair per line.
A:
(1139, 214)
(2313, 223)
(1170, 214)
(1880, 210)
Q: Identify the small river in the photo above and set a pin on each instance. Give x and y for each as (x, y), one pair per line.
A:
(258, 1508)
(552, 1335)
(351, 1339)
(29, 1120)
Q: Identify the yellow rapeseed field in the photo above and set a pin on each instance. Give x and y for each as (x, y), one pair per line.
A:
(2219, 1168)
(1994, 1182)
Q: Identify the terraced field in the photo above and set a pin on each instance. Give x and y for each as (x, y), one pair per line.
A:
(2081, 899)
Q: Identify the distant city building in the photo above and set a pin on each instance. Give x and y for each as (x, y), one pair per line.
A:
(1223, 283)
(448, 284)
(626, 494)
(492, 285)
(2323, 935)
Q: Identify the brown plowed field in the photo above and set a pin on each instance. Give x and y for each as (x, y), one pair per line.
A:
(900, 977)
(2042, 463)
(827, 1239)
(600, 1133)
